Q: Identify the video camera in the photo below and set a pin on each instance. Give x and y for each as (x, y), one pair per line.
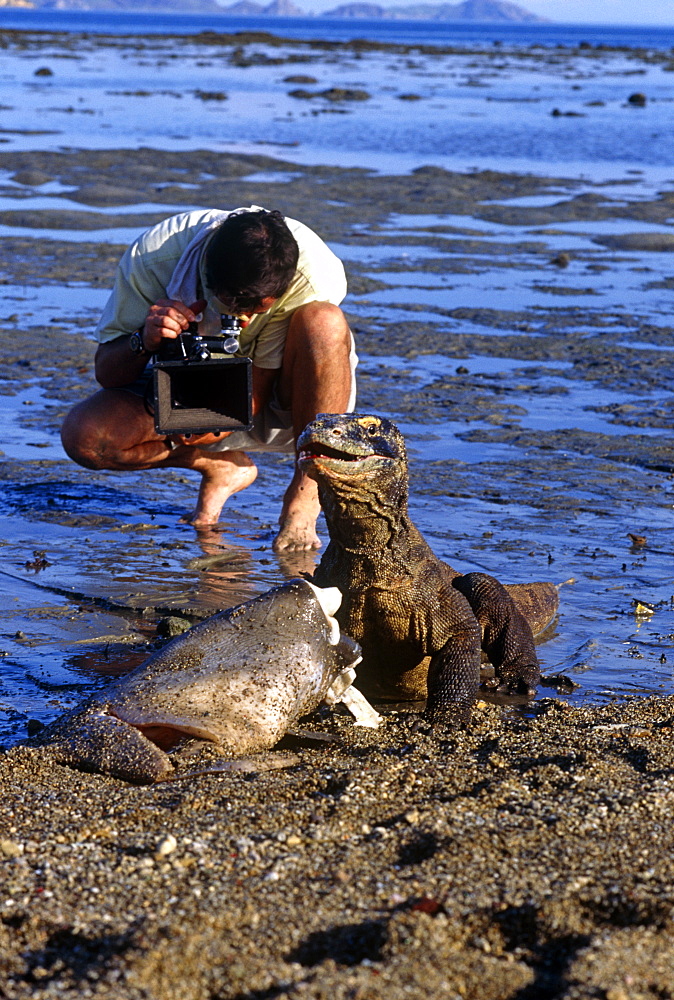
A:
(199, 386)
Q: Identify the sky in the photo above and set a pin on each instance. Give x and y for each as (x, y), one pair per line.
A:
(641, 12)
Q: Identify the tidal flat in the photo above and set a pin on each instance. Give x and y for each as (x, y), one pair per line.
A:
(516, 323)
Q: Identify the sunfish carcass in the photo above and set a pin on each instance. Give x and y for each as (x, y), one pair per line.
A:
(238, 679)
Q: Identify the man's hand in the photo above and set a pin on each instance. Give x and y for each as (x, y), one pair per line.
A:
(116, 365)
(168, 318)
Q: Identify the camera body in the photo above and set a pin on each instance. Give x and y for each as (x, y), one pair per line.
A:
(198, 384)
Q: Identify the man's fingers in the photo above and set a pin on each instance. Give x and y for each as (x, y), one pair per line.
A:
(175, 309)
(168, 318)
(167, 321)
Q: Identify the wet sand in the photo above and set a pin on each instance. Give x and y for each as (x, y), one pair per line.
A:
(527, 858)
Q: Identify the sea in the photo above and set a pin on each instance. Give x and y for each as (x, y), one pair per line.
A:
(541, 100)
(458, 122)
(435, 33)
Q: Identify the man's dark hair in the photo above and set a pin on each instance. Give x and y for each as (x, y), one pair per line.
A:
(251, 256)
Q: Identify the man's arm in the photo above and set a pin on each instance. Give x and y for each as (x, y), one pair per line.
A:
(117, 365)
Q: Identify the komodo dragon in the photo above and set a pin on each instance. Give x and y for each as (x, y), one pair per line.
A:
(421, 624)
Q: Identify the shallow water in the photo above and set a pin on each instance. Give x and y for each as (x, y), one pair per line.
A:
(496, 107)
(14, 442)
(535, 397)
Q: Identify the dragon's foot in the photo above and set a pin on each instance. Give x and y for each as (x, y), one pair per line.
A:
(518, 680)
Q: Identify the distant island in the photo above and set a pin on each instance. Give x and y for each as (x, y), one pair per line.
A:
(488, 11)
(485, 11)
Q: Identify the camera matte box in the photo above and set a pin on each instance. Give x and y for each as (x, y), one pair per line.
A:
(212, 395)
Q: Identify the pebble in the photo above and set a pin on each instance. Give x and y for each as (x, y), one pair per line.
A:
(10, 848)
(166, 845)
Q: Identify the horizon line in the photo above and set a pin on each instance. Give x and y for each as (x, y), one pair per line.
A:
(543, 23)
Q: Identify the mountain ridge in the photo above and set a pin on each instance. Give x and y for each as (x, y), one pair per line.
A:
(487, 11)
(476, 11)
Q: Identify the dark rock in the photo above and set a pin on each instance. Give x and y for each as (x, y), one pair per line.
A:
(169, 627)
(31, 178)
(299, 78)
(210, 95)
(332, 94)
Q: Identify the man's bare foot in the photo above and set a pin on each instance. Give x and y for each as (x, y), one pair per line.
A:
(299, 513)
(222, 475)
(297, 533)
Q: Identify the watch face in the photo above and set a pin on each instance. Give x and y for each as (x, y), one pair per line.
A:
(136, 344)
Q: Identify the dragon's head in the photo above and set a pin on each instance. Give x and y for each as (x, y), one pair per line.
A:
(352, 448)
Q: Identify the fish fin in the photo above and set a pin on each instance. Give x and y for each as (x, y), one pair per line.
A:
(246, 765)
(339, 686)
(349, 652)
(100, 742)
(361, 709)
(329, 598)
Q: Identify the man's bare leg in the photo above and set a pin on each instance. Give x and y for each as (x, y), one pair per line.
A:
(315, 378)
(223, 473)
(112, 430)
(298, 517)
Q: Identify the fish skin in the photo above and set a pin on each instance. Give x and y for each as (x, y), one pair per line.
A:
(238, 679)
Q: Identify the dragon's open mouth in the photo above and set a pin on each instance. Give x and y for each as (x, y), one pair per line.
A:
(315, 450)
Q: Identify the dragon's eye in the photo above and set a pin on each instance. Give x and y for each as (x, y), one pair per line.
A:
(372, 430)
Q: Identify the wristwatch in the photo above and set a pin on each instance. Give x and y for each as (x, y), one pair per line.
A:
(136, 344)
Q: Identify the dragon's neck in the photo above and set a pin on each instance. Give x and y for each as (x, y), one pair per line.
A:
(372, 521)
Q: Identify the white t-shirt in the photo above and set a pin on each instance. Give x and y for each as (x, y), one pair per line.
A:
(146, 268)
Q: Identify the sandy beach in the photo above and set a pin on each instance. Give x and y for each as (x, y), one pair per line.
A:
(526, 858)
(516, 324)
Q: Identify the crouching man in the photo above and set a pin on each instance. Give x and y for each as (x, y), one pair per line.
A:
(285, 286)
